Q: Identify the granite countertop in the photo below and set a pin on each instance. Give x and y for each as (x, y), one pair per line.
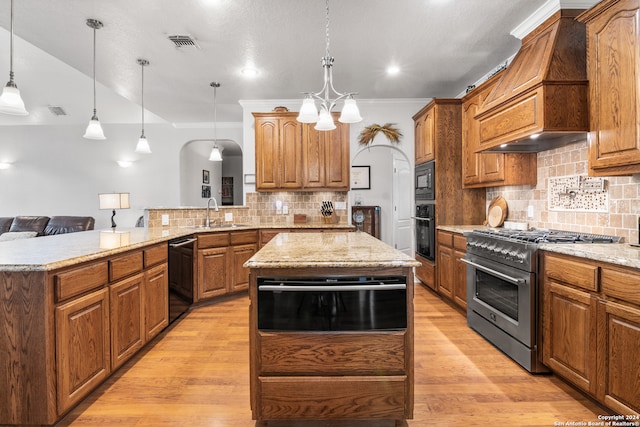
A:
(300, 250)
(613, 253)
(62, 250)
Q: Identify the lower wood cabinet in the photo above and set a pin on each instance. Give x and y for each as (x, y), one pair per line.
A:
(127, 318)
(212, 272)
(156, 301)
(426, 273)
(83, 347)
(451, 271)
(239, 277)
(591, 328)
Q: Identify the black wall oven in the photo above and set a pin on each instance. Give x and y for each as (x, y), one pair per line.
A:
(332, 303)
(425, 229)
(425, 182)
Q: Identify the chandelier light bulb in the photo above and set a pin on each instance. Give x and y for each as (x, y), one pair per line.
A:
(308, 111)
(350, 112)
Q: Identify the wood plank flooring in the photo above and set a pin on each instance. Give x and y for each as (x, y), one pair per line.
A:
(197, 374)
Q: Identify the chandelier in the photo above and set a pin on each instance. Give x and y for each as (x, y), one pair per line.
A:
(10, 100)
(322, 118)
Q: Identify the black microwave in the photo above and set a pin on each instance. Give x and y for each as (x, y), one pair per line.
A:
(425, 182)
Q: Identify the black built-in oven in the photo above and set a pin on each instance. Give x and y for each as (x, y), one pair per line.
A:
(425, 229)
(332, 303)
(425, 182)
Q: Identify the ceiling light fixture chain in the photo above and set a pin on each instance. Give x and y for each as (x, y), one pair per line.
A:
(216, 152)
(10, 100)
(143, 144)
(323, 119)
(94, 129)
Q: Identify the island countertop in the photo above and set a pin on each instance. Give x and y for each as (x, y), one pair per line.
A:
(356, 249)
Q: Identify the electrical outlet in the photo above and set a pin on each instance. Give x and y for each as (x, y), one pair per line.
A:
(278, 207)
(228, 216)
(340, 206)
(165, 219)
(285, 210)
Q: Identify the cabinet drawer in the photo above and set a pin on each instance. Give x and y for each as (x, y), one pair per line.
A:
(244, 237)
(571, 272)
(621, 284)
(460, 242)
(155, 255)
(444, 238)
(213, 240)
(334, 354)
(80, 280)
(334, 397)
(125, 265)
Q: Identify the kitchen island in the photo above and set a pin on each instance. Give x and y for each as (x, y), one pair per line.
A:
(331, 328)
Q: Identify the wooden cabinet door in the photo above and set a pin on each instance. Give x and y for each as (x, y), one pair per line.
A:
(425, 128)
(83, 353)
(212, 272)
(267, 153)
(239, 277)
(470, 141)
(336, 158)
(459, 279)
(156, 301)
(290, 153)
(569, 334)
(613, 52)
(445, 268)
(618, 357)
(127, 318)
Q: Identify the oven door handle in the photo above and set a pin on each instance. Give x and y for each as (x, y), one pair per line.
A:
(421, 219)
(329, 288)
(181, 243)
(494, 272)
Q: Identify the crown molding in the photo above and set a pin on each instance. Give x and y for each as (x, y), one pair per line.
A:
(545, 11)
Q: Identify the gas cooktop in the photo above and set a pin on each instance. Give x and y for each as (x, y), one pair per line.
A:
(540, 235)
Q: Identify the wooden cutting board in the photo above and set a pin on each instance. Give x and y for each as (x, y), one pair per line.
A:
(497, 212)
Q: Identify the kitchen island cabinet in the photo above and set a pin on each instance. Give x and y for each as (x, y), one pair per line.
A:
(591, 328)
(339, 372)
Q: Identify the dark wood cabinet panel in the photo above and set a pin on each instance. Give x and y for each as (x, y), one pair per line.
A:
(127, 319)
(156, 301)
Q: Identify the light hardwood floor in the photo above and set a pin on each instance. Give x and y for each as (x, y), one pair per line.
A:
(197, 374)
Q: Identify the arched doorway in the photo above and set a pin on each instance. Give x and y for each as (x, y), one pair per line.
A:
(391, 188)
(201, 178)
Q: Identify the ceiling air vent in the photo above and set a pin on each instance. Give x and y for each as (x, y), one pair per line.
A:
(182, 42)
(57, 111)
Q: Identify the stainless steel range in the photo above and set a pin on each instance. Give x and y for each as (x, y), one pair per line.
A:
(502, 288)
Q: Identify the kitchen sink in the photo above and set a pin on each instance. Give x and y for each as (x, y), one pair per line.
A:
(215, 226)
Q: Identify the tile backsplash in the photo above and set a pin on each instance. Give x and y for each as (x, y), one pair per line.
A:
(261, 208)
(617, 216)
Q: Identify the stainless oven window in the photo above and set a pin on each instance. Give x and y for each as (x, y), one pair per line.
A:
(314, 305)
(497, 293)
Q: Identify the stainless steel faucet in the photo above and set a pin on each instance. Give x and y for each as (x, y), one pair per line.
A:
(207, 222)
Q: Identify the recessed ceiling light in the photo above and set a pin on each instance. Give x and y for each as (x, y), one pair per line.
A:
(249, 72)
(124, 163)
(5, 165)
(392, 70)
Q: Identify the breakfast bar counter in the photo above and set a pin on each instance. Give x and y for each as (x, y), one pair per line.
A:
(331, 328)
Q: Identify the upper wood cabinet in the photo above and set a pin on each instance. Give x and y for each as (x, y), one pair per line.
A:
(613, 54)
(294, 156)
(490, 169)
(425, 129)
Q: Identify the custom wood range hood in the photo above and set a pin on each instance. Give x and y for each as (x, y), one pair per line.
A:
(541, 102)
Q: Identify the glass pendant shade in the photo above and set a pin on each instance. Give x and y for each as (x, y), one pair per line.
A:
(216, 155)
(350, 112)
(325, 122)
(11, 102)
(308, 111)
(142, 146)
(94, 130)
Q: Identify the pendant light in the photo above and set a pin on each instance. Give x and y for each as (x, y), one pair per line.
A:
(10, 100)
(323, 119)
(94, 130)
(216, 153)
(143, 145)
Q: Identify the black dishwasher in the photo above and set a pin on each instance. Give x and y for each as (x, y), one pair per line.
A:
(332, 303)
(181, 268)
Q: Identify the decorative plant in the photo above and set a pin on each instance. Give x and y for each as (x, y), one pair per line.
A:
(369, 133)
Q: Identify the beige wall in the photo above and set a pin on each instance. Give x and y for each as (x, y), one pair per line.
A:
(623, 192)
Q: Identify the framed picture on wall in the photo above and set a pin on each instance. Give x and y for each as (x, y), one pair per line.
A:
(205, 176)
(360, 177)
(206, 191)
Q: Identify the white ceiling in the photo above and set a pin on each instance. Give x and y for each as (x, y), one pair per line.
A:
(441, 46)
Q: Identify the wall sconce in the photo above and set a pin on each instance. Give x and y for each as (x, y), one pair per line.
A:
(114, 201)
